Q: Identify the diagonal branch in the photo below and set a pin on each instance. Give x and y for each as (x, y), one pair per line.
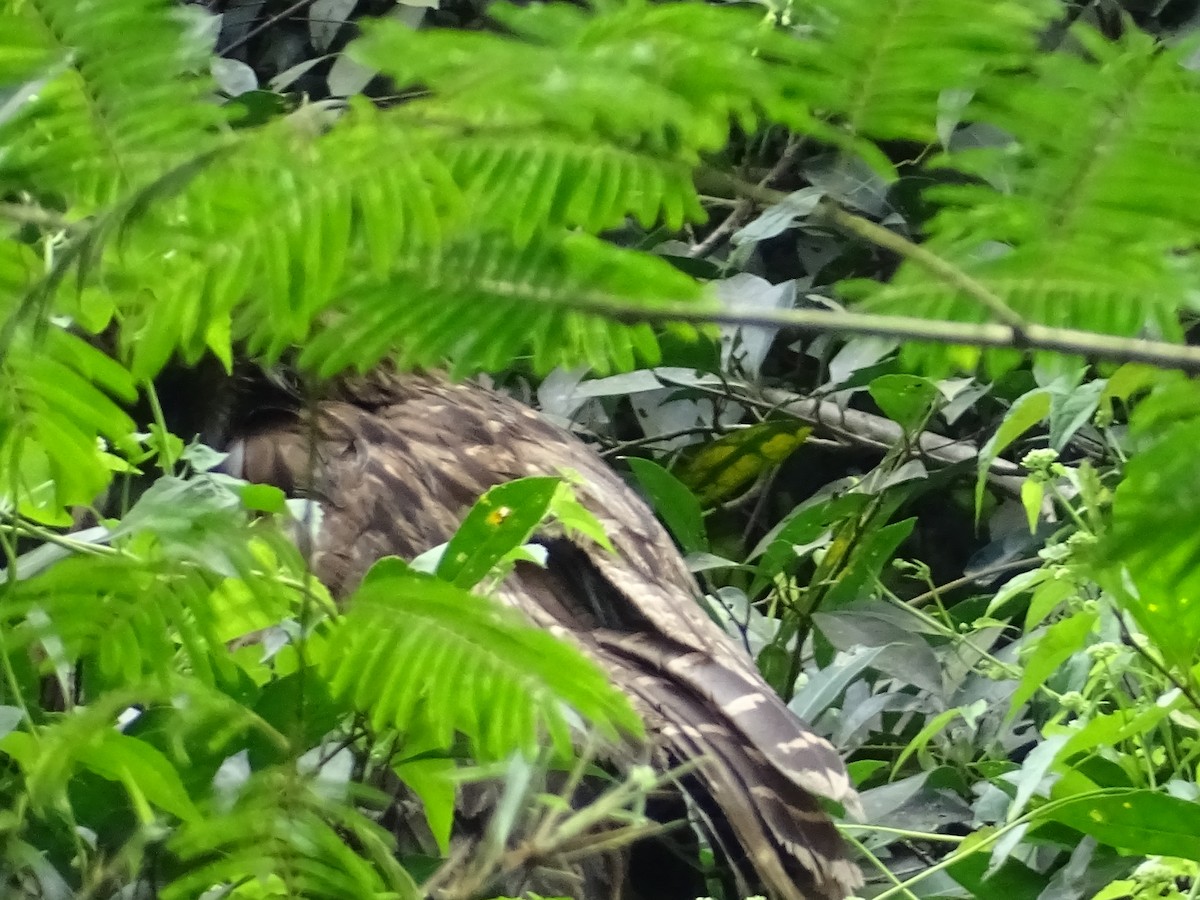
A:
(1160, 354)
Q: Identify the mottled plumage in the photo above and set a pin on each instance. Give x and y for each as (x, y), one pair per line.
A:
(397, 462)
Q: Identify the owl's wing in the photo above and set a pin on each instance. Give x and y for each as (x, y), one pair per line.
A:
(397, 460)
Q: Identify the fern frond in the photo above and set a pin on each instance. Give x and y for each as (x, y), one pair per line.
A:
(363, 252)
(1085, 221)
(880, 68)
(108, 97)
(87, 740)
(155, 604)
(1114, 294)
(264, 244)
(271, 235)
(547, 179)
(483, 301)
(667, 78)
(1103, 152)
(424, 656)
(284, 834)
(58, 399)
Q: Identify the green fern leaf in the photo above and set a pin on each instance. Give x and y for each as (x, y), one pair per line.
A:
(881, 67)
(51, 759)
(57, 404)
(681, 72)
(265, 240)
(544, 180)
(109, 99)
(421, 655)
(1083, 221)
(154, 605)
(1100, 154)
(483, 301)
(1115, 294)
(282, 832)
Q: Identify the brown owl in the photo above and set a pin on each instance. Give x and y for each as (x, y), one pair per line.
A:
(396, 460)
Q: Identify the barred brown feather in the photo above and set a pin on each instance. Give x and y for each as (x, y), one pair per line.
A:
(398, 460)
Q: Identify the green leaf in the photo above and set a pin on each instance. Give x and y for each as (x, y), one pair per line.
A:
(1026, 412)
(501, 520)
(566, 509)
(431, 777)
(1141, 822)
(869, 557)
(10, 718)
(934, 727)
(1110, 729)
(674, 502)
(1011, 880)
(1148, 561)
(718, 470)
(421, 655)
(799, 530)
(297, 706)
(905, 399)
(1046, 598)
(1073, 407)
(1052, 648)
(1129, 379)
(1032, 493)
(144, 771)
(263, 498)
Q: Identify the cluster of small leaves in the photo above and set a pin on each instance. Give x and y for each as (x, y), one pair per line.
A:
(231, 769)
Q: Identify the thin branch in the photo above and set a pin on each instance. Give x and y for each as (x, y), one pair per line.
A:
(745, 205)
(867, 429)
(1160, 354)
(30, 214)
(1180, 682)
(652, 439)
(1027, 562)
(722, 232)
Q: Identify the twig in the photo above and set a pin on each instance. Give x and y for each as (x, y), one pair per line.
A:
(744, 206)
(999, 568)
(722, 232)
(652, 439)
(870, 430)
(263, 26)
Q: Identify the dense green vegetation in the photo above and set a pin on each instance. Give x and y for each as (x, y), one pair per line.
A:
(884, 305)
